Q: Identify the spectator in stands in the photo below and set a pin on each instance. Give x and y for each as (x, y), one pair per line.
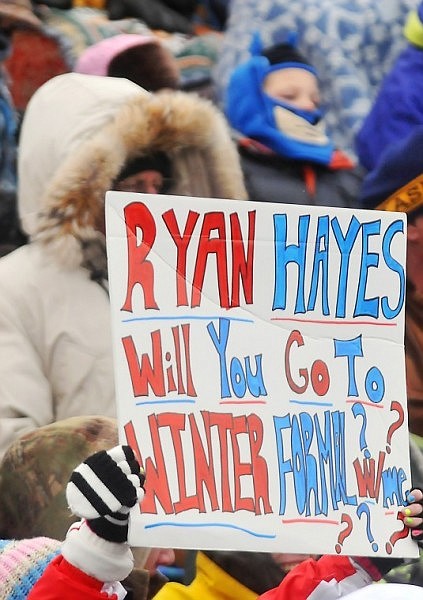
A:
(81, 135)
(145, 60)
(273, 103)
(14, 15)
(351, 48)
(396, 184)
(398, 107)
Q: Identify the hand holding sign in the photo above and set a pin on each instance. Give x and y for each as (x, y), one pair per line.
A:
(413, 513)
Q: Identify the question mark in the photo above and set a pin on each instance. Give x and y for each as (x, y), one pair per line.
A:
(397, 535)
(364, 508)
(395, 425)
(345, 532)
(359, 411)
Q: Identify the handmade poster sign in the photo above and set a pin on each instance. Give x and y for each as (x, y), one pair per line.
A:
(260, 376)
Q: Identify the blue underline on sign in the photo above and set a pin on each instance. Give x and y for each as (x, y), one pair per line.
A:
(311, 403)
(181, 400)
(188, 318)
(227, 525)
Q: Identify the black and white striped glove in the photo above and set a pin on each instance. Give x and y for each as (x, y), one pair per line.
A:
(104, 488)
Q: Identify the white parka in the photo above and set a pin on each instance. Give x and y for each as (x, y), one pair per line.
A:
(78, 132)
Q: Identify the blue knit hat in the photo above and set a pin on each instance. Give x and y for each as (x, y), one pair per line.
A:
(396, 183)
(251, 111)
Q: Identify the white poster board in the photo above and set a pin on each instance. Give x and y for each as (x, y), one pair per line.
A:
(260, 374)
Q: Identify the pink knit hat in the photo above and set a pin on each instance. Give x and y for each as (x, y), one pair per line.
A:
(140, 58)
(22, 562)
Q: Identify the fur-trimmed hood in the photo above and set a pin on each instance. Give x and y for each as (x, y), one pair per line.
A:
(78, 132)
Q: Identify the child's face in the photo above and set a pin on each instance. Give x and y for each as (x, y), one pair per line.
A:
(297, 87)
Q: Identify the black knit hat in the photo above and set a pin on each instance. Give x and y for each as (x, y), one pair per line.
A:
(158, 161)
(284, 53)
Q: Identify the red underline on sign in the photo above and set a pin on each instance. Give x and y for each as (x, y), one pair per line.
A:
(365, 403)
(243, 402)
(305, 520)
(333, 322)
(390, 512)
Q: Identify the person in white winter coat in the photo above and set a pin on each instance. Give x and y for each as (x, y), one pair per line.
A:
(78, 133)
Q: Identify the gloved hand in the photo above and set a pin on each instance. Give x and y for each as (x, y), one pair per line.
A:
(102, 490)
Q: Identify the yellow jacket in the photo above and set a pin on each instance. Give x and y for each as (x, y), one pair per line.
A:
(210, 583)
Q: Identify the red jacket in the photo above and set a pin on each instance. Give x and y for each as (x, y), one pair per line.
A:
(328, 578)
(63, 581)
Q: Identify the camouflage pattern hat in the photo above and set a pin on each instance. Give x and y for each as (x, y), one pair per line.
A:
(36, 468)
